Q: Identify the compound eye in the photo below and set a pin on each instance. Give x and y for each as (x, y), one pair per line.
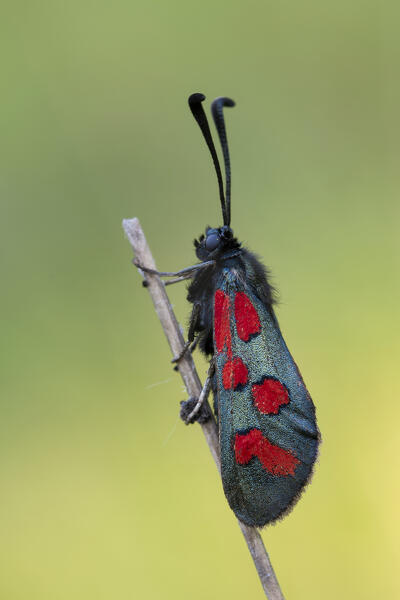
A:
(212, 241)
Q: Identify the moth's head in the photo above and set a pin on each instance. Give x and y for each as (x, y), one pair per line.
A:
(215, 242)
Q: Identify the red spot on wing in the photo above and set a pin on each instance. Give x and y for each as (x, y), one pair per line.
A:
(222, 330)
(274, 459)
(234, 374)
(269, 395)
(247, 320)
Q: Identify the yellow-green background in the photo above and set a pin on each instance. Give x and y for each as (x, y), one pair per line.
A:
(105, 494)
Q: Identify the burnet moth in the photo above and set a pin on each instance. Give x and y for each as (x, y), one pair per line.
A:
(267, 427)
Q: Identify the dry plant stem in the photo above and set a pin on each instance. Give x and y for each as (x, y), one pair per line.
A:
(187, 369)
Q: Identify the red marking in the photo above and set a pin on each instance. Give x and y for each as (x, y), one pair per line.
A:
(222, 330)
(247, 320)
(269, 395)
(234, 374)
(273, 458)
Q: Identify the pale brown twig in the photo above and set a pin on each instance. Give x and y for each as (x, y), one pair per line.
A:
(187, 370)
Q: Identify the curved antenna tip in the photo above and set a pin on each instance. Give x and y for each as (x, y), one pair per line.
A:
(196, 98)
(222, 100)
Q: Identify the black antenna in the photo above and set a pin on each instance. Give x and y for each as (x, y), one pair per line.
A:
(217, 113)
(196, 107)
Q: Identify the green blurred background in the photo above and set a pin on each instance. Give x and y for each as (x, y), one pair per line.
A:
(105, 493)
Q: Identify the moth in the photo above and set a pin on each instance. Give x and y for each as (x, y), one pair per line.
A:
(268, 433)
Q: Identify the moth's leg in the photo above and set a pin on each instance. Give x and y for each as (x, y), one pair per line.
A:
(183, 273)
(177, 280)
(194, 409)
(182, 353)
(188, 348)
(191, 343)
(171, 281)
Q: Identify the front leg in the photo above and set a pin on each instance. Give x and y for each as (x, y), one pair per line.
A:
(186, 273)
